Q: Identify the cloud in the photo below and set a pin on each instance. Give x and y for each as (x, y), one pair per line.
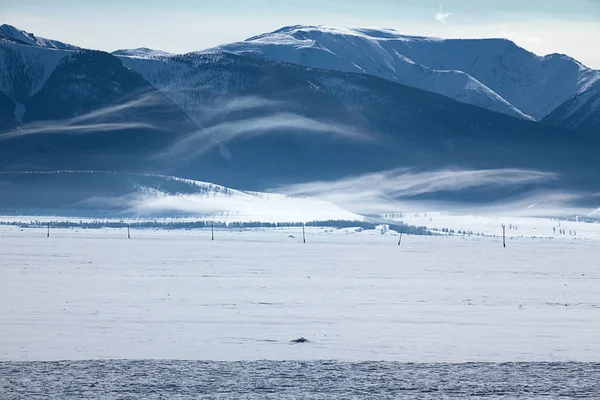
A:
(406, 183)
(241, 104)
(220, 134)
(404, 190)
(442, 17)
(87, 123)
(67, 128)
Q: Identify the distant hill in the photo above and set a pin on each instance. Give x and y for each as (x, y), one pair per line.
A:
(126, 195)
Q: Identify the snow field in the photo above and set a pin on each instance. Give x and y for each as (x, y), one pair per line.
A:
(516, 227)
(93, 294)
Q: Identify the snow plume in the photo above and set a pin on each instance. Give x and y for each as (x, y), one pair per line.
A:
(91, 122)
(442, 16)
(395, 191)
(241, 104)
(221, 133)
(406, 183)
(231, 205)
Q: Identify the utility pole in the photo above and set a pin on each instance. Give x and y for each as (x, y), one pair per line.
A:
(303, 235)
(48, 234)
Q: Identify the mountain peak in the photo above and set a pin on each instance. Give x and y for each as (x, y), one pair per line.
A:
(22, 37)
(308, 31)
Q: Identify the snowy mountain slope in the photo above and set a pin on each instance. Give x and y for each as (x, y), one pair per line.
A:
(492, 73)
(24, 69)
(143, 195)
(92, 112)
(142, 52)
(9, 32)
(370, 52)
(536, 85)
(580, 112)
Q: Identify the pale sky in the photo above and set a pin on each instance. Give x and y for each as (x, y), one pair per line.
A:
(541, 26)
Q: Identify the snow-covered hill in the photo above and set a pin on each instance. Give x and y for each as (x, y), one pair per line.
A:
(10, 33)
(580, 112)
(81, 193)
(492, 73)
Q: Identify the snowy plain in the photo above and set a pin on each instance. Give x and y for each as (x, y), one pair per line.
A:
(94, 294)
(516, 227)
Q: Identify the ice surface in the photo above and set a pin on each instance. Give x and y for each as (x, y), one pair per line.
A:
(277, 380)
(93, 294)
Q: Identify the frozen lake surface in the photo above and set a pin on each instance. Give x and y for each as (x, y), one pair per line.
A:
(113, 379)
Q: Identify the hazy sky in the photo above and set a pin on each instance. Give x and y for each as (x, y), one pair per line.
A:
(541, 26)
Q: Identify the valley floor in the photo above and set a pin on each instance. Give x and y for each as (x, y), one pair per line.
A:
(94, 294)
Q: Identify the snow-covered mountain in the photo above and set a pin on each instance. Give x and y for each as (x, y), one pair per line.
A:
(266, 121)
(580, 112)
(10, 33)
(250, 122)
(256, 123)
(492, 73)
(79, 109)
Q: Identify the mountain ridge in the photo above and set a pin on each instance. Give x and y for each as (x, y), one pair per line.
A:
(22, 37)
(579, 112)
(386, 52)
